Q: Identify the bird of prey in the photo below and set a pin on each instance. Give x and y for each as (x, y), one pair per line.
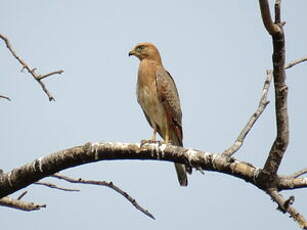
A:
(158, 96)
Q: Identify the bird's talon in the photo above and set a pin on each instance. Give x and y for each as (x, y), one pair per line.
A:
(144, 142)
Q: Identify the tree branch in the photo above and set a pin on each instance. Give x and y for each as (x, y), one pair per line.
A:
(286, 207)
(36, 76)
(267, 19)
(287, 183)
(109, 185)
(56, 187)
(91, 152)
(261, 107)
(20, 205)
(281, 92)
(277, 11)
(299, 173)
(295, 62)
(5, 97)
(46, 166)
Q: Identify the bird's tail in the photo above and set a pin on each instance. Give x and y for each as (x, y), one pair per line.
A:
(181, 174)
(180, 168)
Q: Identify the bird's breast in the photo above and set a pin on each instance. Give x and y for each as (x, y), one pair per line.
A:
(148, 96)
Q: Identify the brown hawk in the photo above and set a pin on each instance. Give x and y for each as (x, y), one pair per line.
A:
(158, 96)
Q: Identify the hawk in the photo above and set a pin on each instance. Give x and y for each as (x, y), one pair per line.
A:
(158, 96)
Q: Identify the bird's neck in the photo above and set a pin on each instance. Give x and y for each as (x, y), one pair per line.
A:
(152, 61)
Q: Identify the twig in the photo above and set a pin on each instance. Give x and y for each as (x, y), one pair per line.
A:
(285, 207)
(56, 187)
(49, 74)
(5, 97)
(299, 173)
(19, 204)
(107, 184)
(261, 107)
(36, 76)
(22, 195)
(295, 62)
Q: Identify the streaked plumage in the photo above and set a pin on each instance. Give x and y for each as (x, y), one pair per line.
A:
(158, 96)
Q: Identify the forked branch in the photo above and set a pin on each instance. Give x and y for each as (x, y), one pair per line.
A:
(109, 185)
(281, 92)
(32, 71)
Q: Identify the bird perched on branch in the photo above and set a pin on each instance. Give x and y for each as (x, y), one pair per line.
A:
(158, 96)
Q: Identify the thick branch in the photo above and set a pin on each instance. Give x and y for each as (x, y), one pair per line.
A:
(267, 19)
(281, 92)
(91, 152)
(19, 204)
(36, 76)
(29, 173)
(109, 185)
(287, 183)
(261, 107)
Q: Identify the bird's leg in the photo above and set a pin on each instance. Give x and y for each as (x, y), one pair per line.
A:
(166, 138)
(154, 135)
(152, 140)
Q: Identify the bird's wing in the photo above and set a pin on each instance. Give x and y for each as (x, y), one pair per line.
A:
(168, 96)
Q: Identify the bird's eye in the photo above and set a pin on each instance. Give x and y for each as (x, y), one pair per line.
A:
(139, 48)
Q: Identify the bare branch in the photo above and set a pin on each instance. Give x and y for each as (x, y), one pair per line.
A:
(267, 19)
(277, 11)
(5, 97)
(56, 187)
(299, 173)
(295, 62)
(285, 207)
(50, 74)
(19, 204)
(91, 152)
(261, 107)
(287, 183)
(281, 93)
(36, 76)
(22, 195)
(109, 185)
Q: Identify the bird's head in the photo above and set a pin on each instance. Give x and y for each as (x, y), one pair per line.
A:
(146, 50)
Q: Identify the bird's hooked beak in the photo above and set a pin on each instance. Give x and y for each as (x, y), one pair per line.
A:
(132, 53)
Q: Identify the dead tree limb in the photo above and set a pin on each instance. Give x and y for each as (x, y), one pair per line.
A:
(261, 107)
(109, 185)
(27, 174)
(19, 204)
(299, 173)
(269, 173)
(281, 89)
(5, 97)
(295, 62)
(50, 185)
(32, 71)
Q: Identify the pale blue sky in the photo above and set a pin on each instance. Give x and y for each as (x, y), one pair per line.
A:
(217, 52)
